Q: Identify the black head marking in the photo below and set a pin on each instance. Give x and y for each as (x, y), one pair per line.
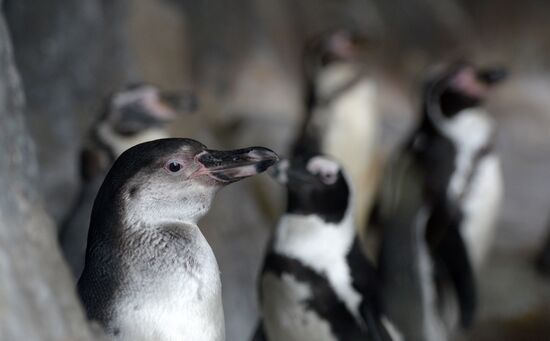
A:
(314, 191)
(460, 86)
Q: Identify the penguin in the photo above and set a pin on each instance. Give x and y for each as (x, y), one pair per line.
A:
(149, 272)
(135, 114)
(316, 282)
(453, 149)
(406, 270)
(341, 110)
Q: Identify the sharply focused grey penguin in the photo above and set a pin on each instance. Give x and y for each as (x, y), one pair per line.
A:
(135, 114)
(341, 106)
(439, 249)
(150, 273)
(316, 283)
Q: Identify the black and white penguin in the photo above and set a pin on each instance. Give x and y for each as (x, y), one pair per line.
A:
(150, 273)
(135, 114)
(341, 107)
(452, 148)
(316, 282)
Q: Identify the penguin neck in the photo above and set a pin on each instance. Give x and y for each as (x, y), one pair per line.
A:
(324, 248)
(457, 123)
(344, 114)
(335, 79)
(117, 143)
(313, 240)
(151, 212)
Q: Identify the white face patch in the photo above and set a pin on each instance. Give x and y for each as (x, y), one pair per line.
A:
(325, 168)
(156, 199)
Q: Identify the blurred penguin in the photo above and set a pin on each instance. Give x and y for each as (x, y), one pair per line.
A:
(135, 114)
(342, 110)
(451, 233)
(316, 283)
(406, 266)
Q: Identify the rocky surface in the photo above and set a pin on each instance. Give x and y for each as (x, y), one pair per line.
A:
(70, 55)
(37, 300)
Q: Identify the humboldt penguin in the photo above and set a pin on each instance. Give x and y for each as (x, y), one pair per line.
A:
(452, 153)
(316, 283)
(149, 272)
(341, 109)
(135, 114)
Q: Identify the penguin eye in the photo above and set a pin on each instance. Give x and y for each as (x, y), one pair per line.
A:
(173, 166)
(328, 178)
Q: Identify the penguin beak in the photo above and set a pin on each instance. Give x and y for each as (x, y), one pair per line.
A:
(285, 174)
(234, 165)
(185, 102)
(491, 76)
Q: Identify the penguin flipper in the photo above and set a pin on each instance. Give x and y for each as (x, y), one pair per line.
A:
(375, 328)
(454, 256)
(259, 334)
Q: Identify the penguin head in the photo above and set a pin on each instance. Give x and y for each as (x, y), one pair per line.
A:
(174, 179)
(461, 86)
(341, 45)
(332, 60)
(139, 107)
(315, 185)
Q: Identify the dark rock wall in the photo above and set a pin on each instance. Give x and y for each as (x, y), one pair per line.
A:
(37, 300)
(70, 53)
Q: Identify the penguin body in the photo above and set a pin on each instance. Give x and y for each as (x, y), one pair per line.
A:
(316, 283)
(149, 272)
(476, 183)
(136, 114)
(342, 111)
(406, 266)
(452, 155)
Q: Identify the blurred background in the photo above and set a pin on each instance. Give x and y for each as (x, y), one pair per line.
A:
(59, 59)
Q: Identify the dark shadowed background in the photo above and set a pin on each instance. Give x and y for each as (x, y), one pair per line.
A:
(59, 58)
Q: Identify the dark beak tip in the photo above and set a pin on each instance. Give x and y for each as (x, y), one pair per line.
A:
(264, 155)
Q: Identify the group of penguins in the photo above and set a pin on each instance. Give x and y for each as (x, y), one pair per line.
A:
(405, 271)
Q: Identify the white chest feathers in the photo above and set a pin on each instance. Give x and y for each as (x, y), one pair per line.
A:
(349, 121)
(481, 208)
(322, 247)
(480, 189)
(119, 144)
(285, 317)
(176, 304)
(470, 130)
